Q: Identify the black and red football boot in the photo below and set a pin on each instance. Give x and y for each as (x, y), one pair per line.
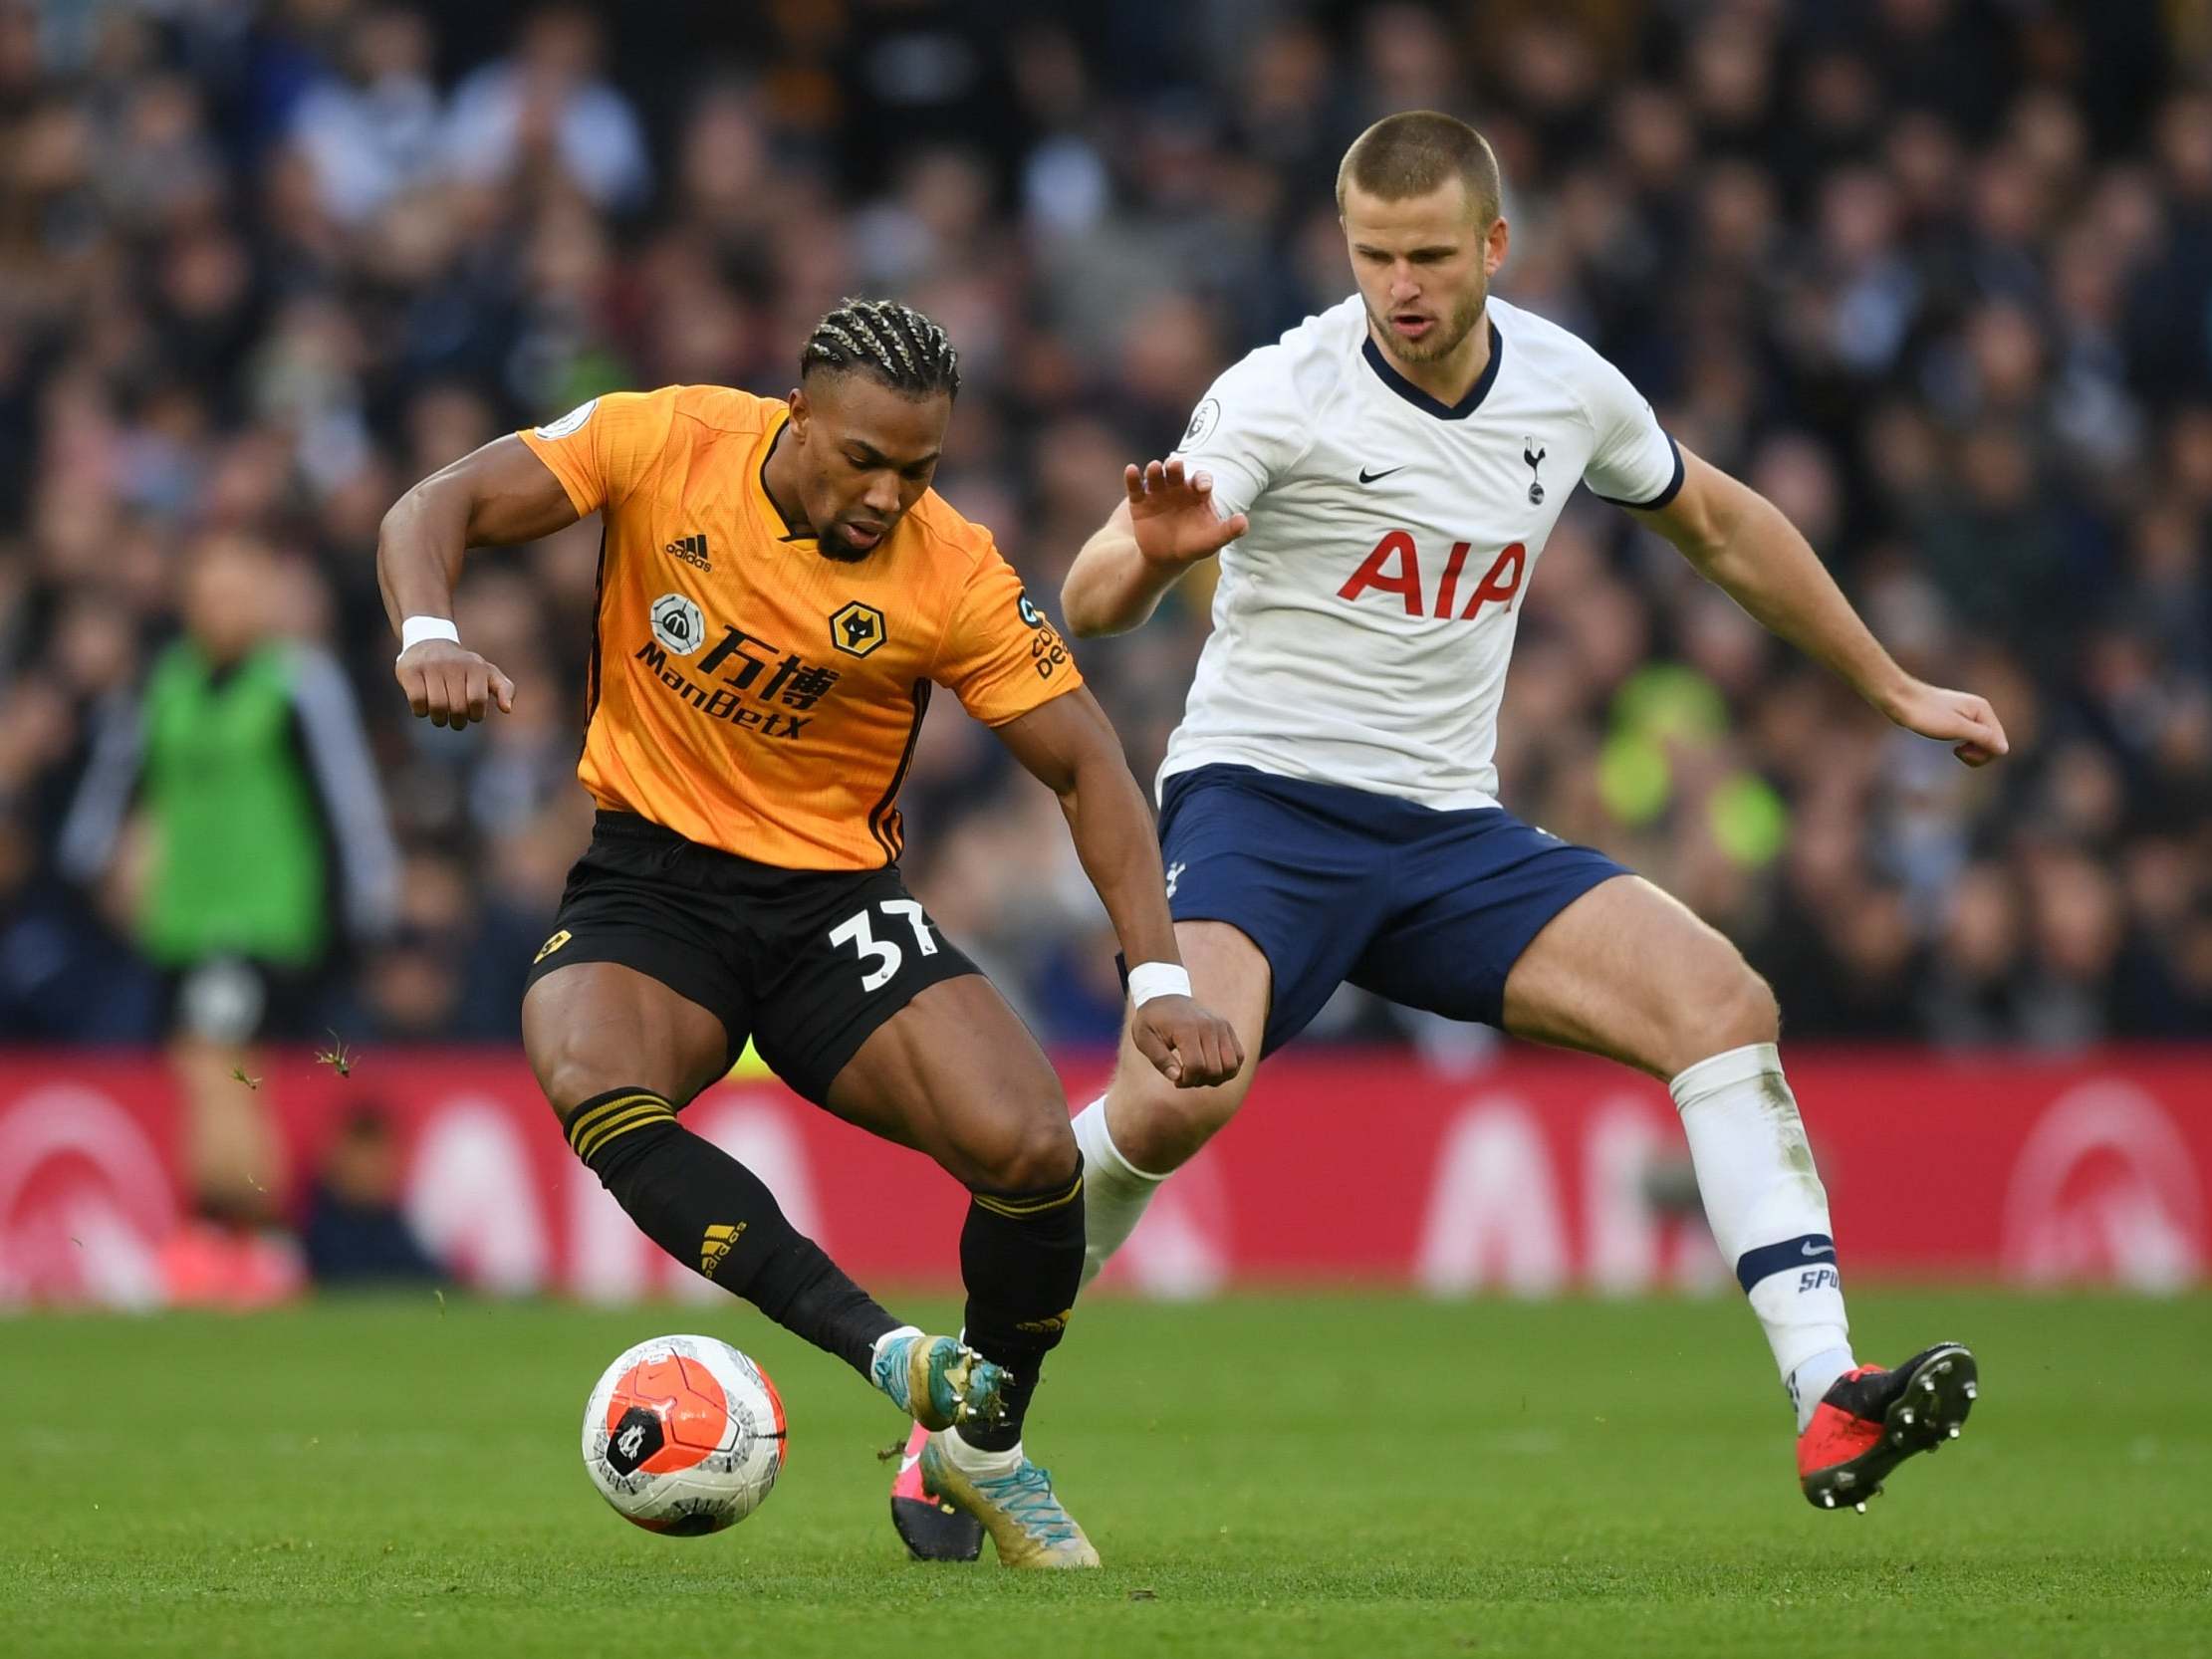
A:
(932, 1528)
(1871, 1420)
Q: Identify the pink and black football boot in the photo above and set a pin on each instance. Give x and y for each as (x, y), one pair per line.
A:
(1871, 1420)
(932, 1528)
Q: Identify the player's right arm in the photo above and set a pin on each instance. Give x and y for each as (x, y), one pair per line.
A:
(1249, 429)
(491, 497)
(1167, 524)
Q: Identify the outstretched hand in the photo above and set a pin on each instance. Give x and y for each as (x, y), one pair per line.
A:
(1191, 1047)
(1958, 718)
(452, 684)
(1173, 516)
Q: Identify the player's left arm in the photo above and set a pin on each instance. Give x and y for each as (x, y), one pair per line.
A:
(1743, 544)
(1070, 746)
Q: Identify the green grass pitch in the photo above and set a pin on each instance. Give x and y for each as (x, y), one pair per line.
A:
(1341, 1475)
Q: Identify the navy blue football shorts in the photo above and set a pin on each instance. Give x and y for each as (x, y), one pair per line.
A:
(1427, 909)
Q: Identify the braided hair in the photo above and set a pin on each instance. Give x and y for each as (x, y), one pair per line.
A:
(895, 342)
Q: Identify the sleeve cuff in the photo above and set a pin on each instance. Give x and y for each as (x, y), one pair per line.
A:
(1673, 486)
(577, 497)
(1055, 690)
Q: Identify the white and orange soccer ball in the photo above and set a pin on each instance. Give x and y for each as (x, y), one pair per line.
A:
(683, 1435)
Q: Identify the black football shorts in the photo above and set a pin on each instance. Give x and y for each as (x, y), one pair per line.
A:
(806, 963)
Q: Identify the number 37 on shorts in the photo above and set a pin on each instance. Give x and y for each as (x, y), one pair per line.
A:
(881, 956)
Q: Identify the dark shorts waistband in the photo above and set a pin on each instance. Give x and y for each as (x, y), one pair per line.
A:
(713, 865)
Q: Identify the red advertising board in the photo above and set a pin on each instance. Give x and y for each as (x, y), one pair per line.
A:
(1534, 1174)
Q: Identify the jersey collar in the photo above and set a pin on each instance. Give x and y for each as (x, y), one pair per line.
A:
(771, 514)
(1420, 400)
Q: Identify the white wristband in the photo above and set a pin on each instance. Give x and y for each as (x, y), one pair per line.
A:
(1158, 979)
(415, 630)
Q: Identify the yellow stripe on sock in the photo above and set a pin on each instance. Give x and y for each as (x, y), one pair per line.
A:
(1024, 1208)
(652, 1112)
(584, 1121)
(630, 1121)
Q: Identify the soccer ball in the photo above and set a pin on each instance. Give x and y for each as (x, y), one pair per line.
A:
(683, 1435)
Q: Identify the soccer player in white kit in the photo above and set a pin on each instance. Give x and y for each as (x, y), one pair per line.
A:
(1380, 485)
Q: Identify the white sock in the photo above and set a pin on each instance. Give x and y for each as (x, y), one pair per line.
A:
(1767, 1212)
(973, 1460)
(1814, 1377)
(1114, 1191)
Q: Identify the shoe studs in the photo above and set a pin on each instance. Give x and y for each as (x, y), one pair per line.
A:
(1827, 1500)
(1861, 1505)
(1927, 1385)
(1970, 1391)
(1955, 1432)
(1906, 1416)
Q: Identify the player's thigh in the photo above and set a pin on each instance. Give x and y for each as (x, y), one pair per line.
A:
(1156, 1125)
(867, 1007)
(635, 988)
(588, 1027)
(955, 1074)
(1471, 891)
(1297, 872)
(1629, 972)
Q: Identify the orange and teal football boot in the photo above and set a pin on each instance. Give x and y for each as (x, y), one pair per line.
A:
(1017, 1507)
(937, 1380)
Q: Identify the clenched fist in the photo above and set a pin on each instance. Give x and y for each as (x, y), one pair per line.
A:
(1192, 1047)
(450, 683)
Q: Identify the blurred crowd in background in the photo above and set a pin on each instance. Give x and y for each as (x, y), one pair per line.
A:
(1937, 276)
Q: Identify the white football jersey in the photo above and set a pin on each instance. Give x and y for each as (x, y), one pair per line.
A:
(1362, 625)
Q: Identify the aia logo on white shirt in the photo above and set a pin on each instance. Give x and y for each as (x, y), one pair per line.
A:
(1394, 567)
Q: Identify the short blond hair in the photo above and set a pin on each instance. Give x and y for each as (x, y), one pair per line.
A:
(1413, 152)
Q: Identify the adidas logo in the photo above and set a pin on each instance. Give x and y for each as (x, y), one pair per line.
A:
(720, 1242)
(691, 550)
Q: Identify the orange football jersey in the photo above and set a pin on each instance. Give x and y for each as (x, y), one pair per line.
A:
(745, 691)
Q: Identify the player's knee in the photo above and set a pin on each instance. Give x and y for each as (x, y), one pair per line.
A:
(571, 1065)
(1165, 1126)
(1754, 1014)
(1028, 1156)
(567, 1079)
(1735, 1008)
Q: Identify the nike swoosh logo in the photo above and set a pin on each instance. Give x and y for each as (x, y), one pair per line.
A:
(1812, 1248)
(908, 1461)
(1367, 477)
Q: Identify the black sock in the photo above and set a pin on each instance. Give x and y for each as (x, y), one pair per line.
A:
(716, 1217)
(1021, 1255)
